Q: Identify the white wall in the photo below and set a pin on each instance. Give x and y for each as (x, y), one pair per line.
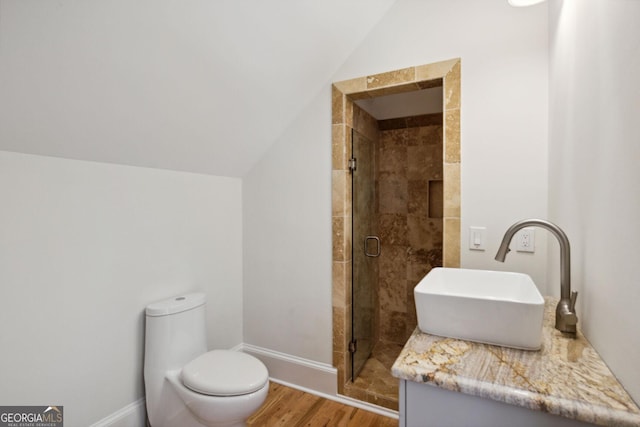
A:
(287, 224)
(287, 240)
(84, 247)
(167, 83)
(593, 168)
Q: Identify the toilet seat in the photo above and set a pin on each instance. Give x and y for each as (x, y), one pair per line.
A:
(225, 373)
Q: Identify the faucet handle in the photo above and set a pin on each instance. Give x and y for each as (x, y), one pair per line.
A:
(572, 304)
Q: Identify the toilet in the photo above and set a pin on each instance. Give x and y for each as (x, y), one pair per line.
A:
(188, 386)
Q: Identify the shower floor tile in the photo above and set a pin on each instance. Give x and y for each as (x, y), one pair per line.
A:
(375, 384)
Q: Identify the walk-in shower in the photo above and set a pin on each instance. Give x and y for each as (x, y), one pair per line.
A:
(392, 219)
(396, 172)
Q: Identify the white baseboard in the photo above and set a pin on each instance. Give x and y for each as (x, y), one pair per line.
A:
(309, 376)
(132, 415)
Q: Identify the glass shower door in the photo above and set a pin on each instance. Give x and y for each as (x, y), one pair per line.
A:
(365, 249)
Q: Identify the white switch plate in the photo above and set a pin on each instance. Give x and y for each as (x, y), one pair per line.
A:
(526, 240)
(477, 238)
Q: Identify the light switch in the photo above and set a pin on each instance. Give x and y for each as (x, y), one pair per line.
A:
(477, 238)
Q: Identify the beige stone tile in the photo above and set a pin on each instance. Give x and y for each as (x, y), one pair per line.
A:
(348, 112)
(352, 86)
(347, 328)
(359, 95)
(423, 120)
(415, 138)
(339, 158)
(424, 153)
(347, 336)
(387, 353)
(393, 159)
(424, 162)
(341, 284)
(451, 250)
(434, 71)
(391, 78)
(341, 192)
(338, 358)
(348, 149)
(375, 382)
(341, 238)
(393, 326)
(355, 392)
(452, 136)
(393, 138)
(365, 123)
(392, 261)
(337, 363)
(393, 229)
(428, 84)
(339, 328)
(393, 193)
(337, 238)
(348, 235)
(427, 135)
(418, 267)
(392, 297)
(452, 190)
(421, 261)
(393, 90)
(452, 88)
(383, 401)
(392, 124)
(424, 232)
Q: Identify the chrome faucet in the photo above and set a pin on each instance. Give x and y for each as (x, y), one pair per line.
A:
(566, 318)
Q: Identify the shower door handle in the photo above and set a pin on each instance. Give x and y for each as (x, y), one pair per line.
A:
(366, 246)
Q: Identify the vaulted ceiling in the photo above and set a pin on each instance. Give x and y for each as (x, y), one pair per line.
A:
(203, 86)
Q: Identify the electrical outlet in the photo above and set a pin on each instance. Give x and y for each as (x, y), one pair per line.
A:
(525, 240)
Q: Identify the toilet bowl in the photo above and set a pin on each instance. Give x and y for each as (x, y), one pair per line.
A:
(187, 386)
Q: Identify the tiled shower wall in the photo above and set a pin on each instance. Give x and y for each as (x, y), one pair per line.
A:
(410, 202)
(409, 208)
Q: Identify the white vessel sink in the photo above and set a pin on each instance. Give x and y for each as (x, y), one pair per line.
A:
(491, 307)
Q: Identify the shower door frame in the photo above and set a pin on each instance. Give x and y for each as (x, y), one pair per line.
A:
(446, 74)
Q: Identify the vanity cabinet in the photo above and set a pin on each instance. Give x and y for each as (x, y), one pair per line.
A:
(423, 405)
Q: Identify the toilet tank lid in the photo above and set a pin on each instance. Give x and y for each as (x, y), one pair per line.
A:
(175, 304)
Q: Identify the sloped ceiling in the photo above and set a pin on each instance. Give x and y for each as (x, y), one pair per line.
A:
(203, 86)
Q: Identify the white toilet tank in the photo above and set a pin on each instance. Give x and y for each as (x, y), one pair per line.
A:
(175, 332)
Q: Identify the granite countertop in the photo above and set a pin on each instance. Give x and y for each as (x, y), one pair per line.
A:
(566, 377)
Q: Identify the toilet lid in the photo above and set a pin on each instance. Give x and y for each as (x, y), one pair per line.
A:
(225, 373)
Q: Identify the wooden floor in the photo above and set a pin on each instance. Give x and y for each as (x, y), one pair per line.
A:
(294, 408)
